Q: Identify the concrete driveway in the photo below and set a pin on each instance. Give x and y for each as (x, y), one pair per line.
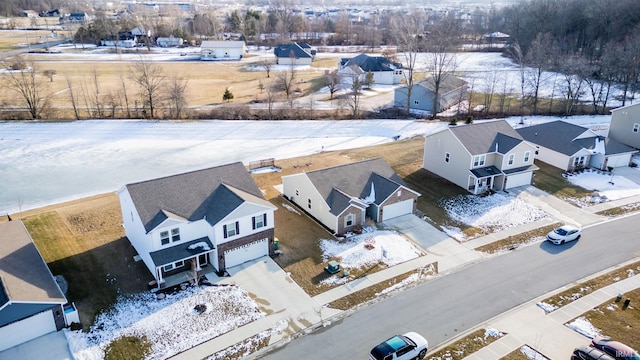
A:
(450, 253)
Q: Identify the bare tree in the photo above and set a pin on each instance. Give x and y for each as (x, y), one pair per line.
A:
(354, 97)
(150, 79)
(49, 74)
(26, 82)
(333, 82)
(518, 58)
(538, 59)
(72, 97)
(490, 83)
(408, 30)
(267, 65)
(125, 96)
(176, 97)
(441, 46)
(572, 69)
(286, 79)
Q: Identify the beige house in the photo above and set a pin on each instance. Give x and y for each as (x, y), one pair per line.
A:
(342, 197)
(479, 157)
(625, 125)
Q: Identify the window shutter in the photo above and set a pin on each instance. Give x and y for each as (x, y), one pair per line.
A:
(264, 217)
(237, 228)
(253, 222)
(224, 231)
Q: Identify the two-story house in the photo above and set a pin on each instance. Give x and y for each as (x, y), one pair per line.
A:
(479, 157)
(181, 223)
(342, 197)
(625, 125)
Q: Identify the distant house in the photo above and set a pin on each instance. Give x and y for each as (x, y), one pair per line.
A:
(77, 18)
(222, 50)
(452, 91)
(294, 54)
(385, 72)
(169, 42)
(625, 125)
(341, 197)
(31, 302)
(569, 147)
(29, 13)
(479, 157)
(51, 13)
(182, 223)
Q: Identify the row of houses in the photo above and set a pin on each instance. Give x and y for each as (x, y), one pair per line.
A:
(216, 218)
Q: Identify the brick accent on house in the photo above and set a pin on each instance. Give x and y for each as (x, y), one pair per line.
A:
(222, 248)
(357, 221)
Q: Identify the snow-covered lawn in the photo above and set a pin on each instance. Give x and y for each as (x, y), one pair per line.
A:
(611, 188)
(171, 325)
(370, 247)
(582, 326)
(495, 212)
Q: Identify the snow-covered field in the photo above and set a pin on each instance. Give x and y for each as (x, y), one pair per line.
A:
(171, 325)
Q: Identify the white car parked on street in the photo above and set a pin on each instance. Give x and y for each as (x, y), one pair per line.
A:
(401, 347)
(564, 234)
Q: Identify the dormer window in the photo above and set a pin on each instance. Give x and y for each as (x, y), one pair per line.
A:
(175, 234)
(164, 237)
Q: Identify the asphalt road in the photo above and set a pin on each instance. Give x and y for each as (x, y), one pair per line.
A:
(448, 305)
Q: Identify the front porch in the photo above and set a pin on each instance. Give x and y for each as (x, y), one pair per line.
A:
(484, 179)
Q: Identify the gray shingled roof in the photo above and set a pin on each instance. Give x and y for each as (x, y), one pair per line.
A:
(209, 194)
(292, 50)
(448, 84)
(559, 136)
(355, 180)
(487, 137)
(24, 275)
(180, 252)
(371, 63)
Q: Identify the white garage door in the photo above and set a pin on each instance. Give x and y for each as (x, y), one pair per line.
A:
(397, 209)
(518, 180)
(246, 253)
(27, 329)
(619, 161)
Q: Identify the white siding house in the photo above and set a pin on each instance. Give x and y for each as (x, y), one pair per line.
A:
(341, 197)
(222, 50)
(184, 222)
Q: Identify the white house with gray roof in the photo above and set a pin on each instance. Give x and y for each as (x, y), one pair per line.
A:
(569, 147)
(182, 223)
(341, 197)
(479, 157)
(385, 71)
(31, 302)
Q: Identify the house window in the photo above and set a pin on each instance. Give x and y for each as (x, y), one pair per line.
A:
(164, 237)
(174, 265)
(416, 102)
(636, 127)
(231, 229)
(259, 221)
(175, 234)
(578, 161)
(348, 220)
(447, 156)
(399, 193)
(478, 160)
(526, 156)
(309, 203)
(511, 158)
(297, 193)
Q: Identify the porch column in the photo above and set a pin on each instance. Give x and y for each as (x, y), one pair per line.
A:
(160, 279)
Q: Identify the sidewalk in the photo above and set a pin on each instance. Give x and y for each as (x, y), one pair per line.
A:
(291, 312)
(546, 333)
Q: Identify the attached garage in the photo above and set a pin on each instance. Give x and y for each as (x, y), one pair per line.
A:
(398, 209)
(516, 180)
(244, 253)
(27, 329)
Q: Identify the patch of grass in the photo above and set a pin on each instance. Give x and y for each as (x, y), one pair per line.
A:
(244, 348)
(621, 325)
(549, 179)
(128, 348)
(364, 295)
(620, 210)
(515, 240)
(464, 347)
(85, 243)
(592, 285)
